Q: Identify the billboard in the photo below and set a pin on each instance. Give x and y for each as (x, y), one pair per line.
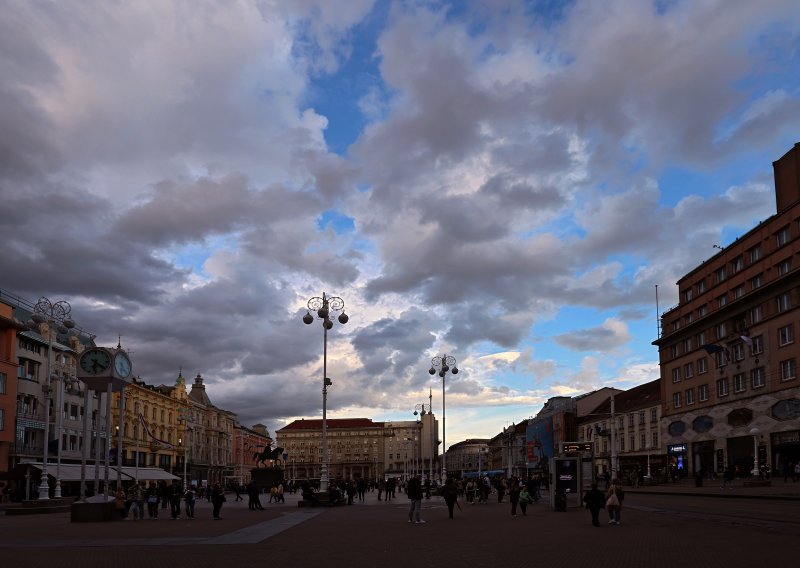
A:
(539, 442)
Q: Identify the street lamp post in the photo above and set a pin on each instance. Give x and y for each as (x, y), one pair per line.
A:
(510, 431)
(442, 364)
(55, 314)
(756, 469)
(323, 307)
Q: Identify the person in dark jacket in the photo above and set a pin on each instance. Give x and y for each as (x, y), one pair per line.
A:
(414, 492)
(217, 499)
(450, 494)
(595, 500)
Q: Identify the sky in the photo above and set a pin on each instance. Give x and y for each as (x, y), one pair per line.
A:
(505, 182)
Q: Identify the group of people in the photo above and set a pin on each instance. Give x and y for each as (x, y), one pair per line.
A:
(611, 499)
(131, 503)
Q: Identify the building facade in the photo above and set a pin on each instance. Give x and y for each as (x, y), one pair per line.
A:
(728, 353)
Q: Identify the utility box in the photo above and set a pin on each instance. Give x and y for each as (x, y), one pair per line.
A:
(566, 483)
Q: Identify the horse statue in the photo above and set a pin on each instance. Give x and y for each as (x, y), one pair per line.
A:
(267, 454)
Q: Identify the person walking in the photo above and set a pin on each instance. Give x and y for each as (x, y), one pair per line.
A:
(414, 493)
(189, 499)
(513, 495)
(525, 499)
(727, 478)
(217, 499)
(152, 501)
(450, 494)
(119, 503)
(470, 492)
(595, 500)
(175, 494)
(613, 502)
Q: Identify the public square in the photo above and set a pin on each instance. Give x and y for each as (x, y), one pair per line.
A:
(661, 526)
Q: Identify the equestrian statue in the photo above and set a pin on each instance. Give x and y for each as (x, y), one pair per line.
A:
(268, 455)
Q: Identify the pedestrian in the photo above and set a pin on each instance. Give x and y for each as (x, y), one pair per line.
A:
(470, 492)
(595, 500)
(163, 494)
(175, 494)
(414, 493)
(501, 489)
(119, 503)
(727, 478)
(279, 493)
(136, 495)
(217, 499)
(152, 501)
(450, 494)
(613, 502)
(189, 498)
(239, 492)
(381, 488)
(525, 499)
(796, 472)
(513, 495)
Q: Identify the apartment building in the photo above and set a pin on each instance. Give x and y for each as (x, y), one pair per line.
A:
(728, 353)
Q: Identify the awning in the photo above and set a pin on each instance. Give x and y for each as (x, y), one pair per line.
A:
(72, 472)
(148, 474)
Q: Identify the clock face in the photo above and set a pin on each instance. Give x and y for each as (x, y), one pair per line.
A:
(122, 365)
(95, 361)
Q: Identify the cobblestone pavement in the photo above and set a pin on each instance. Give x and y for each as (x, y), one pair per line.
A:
(377, 533)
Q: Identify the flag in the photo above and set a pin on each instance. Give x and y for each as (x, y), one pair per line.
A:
(711, 348)
(152, 436)
(746, 340)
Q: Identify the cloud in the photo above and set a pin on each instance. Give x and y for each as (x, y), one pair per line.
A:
(608, 337)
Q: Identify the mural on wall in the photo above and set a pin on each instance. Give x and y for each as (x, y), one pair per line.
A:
(539, 442)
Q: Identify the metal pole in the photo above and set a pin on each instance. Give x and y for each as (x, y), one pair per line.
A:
(137, 430)
(433, 430)
(120, 434)
(613, 438)
(108, 437)
(323, 476)
(444, 435)
(44, 485)
(59, 434)
(87, 443)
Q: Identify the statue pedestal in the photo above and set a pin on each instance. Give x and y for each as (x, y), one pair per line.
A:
(266, 477)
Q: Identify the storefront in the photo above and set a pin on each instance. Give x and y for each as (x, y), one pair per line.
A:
(785, 452)
(678, 460)
(704, 458)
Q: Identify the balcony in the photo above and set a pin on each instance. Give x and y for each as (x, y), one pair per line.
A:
(20, 450)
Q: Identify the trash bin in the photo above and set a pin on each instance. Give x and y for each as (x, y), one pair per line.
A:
(561, 501)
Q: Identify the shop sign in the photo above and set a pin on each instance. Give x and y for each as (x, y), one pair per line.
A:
(676, 449)
(786, 437)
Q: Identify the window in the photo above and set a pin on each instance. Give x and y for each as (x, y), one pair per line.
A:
(655, 439)
(702, 393)
(676, 400)
(784, 267)
(621, 443)
(720, 330)
(687, 295)
(702, 310)
(621, 422)
(758, 344)
(722, 388)
(643, 440)
(641, 417)
(676, 375)
(784, 302)
(701, 339)
(737, 264)
(722, 300)
(687, 345)
(701, 286)
(755, 253)
(757, 281)
(739, 383)
(689, 397)
(757, 377)
(630, 420)
(783, 236)
(676, 325)
(3, 381)
(653, 415)
(633, 442)
(788, 370)
(689, 318)
(702, 365)
(688, 370)
(674, 350)
(738, 351)
(785, 335)
(721, 358)
(738, 292)
(756, 315)
(720, 274)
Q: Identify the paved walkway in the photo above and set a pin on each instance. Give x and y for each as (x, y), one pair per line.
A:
(377, 533)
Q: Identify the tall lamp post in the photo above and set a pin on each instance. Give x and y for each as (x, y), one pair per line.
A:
(510, 432)
(55, 314)
(323, 307)
(756, 469)
(442, 364)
